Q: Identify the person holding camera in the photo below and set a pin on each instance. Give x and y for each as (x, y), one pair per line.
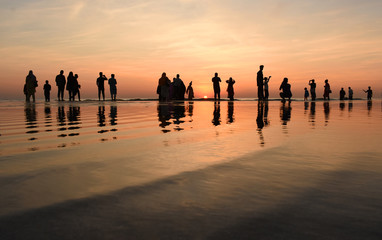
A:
(101, 86)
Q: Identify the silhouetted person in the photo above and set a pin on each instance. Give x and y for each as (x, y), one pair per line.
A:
(342, 94)
(30, 86)
(216, 85)
(113, 87)
(266, 91)
(350, 92)
(179, 88)
(70, 86)
(47, 89)
(260, 79)
(306, 94)
(101, 86)
(327, 90)
(163, 87)
(60, 83)
(312, 85)
(286, 90)
(230, 116)
(230, 90)
(76, 88)
(216, 119)
(369, 93)
(190, 91)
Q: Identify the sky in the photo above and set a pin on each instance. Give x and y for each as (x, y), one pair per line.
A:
(138, 40)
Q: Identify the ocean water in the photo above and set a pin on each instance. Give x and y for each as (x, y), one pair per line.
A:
(191, 170)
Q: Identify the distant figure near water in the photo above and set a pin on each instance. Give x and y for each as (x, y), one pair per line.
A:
(342, 94)
(230, 91)
(350, 91)
(47, 89)
(60, 83)
(286, 90)
(179, 88)
(190, 91)
(101, 86)
(216, 85)
(30, 86)
(327, 90)
(76, 88)
(312, 85)
(113, 87)
(306, 94)
(163, 87)
(260, 78)
(369, 93)
(266, 91)
(70, 86)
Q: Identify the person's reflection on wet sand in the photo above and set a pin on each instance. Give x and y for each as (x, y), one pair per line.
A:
(216, 120)
(73, 120)
(312, 114)
(179, 113)
(306, 107)
(326, 112)
(266, 121)
(190, 108)
(230, 115)
(164, 116)
(48, 114)
(342, 106)
(30, 119)
(369, 106)
(113, 115)
(285, 112)
(260, 121)
(101, 116)
(350, 106)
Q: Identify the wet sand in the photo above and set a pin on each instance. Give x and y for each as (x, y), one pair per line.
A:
(305, 172)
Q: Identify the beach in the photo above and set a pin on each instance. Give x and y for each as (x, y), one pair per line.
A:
(191, 170)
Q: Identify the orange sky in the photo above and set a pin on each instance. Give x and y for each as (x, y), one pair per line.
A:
(138, 40)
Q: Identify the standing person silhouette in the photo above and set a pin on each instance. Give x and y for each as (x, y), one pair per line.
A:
(47, 89)
(342, 94)
(30, 86)
(101, 86)
(113, 87)
(230, 91)
(306, 94)
(369, 93)
(350, 91)
(216, 85)
(163, 87)
(76, 88)
(60, 83)
(260, 78)
(266, 91)
(312, 85)
(190, 91)
(70, 86)
(327, 90)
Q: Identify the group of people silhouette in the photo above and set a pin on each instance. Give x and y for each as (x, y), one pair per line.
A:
(70, 84)
(176, 89)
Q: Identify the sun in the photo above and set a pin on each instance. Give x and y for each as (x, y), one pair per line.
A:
(205, 97)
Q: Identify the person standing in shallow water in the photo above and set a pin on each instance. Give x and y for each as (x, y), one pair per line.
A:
(266, 91)
(327, 90)
(101, 86)
(163, 87)
(113, 87)
(190, 91)
(60, 83)
(306, 94)
(70, 86)
(260, 78)
(342, 94)
(47, 89)
(30, 86)
(369, 93)
(216, 85)
(230, 90)
(350, 92)
(76, 88)
(312, 85)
